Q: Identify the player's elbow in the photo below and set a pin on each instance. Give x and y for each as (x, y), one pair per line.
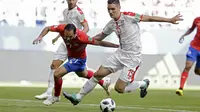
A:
(87, 29)
(47, 28)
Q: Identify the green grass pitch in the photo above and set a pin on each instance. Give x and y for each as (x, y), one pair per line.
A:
(21, 99)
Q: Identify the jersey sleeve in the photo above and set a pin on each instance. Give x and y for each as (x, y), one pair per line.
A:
(57, 28)
(107, 29)
(84, 38)
(134, 17)
(80, 15)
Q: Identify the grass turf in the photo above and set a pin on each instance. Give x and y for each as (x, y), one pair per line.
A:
(21, 99)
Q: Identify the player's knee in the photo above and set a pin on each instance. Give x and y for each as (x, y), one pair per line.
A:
(57, 74)
(97, 76)
(54, 65)
(187, 68)
(119, 89)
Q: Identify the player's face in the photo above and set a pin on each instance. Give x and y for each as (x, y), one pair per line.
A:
(68, 35)
(114, 11)
(71, 3)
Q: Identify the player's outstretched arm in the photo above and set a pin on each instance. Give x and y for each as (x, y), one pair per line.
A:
(190, 30)
(100, 36)
(42, 34)
(105, 44)
(55, 39)
(173, 20)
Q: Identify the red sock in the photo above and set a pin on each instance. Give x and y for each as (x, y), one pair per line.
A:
(184, 77)
(90, 74)
(57, 86)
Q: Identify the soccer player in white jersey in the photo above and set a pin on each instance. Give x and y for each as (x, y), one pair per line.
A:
(72, 15)
(128, 57)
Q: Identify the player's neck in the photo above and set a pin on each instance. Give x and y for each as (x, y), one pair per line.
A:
(71, 8)
(118, 17)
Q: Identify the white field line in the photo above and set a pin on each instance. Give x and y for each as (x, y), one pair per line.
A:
(139, 107)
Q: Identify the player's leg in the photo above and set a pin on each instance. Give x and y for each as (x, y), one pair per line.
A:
(190, 59)
(89, 74)
(55, 64)
(126, 82)
(197, 67)
(112, 65)
(59, 57)
(88, 86)
(58, 74)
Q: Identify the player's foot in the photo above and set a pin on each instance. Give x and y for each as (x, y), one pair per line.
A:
(143, 90)
(72, 98)
(179, 92)
(106, 85)
(43, 96)
(51, 100)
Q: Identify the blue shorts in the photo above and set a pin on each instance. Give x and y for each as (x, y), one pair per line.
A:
(193, 55)
(75, 64)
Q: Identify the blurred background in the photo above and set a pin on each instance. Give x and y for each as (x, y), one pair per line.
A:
(25, 64)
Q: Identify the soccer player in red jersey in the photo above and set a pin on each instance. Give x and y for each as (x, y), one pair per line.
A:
(72, 15)
(76, 42)
(193, 54)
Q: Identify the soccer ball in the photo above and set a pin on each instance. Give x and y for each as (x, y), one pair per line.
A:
(107, 105)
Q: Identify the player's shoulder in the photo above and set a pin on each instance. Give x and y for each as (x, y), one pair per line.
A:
(60, 26)
(80, 33)
(197, 18)
(111, 23)
(79, 10)
(128, 13)
(65, 10)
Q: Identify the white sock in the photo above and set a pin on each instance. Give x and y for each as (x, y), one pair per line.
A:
(88, 87)
(50, 83)
(134, 85)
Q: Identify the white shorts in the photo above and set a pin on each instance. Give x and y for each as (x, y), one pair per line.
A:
(61, 53)
(128, 74)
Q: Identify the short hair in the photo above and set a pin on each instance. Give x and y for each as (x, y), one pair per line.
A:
(113, 2)
(70, 27)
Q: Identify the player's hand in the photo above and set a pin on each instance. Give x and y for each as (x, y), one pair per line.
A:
(37, 40)
(175, 19)
(181, 40)
(54, 40)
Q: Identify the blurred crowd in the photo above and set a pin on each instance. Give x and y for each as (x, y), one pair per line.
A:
(31, 13)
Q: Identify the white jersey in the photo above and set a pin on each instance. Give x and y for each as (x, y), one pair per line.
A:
(74, 16)
(128, 32)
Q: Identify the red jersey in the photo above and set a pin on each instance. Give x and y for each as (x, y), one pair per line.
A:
(195, 43)
(76, 48)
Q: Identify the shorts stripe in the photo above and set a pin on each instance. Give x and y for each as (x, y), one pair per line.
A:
(133, 74)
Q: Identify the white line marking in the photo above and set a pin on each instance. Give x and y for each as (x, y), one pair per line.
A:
(97, 105)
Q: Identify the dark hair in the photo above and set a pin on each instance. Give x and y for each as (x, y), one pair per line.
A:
(113, 2)
(69, 27)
